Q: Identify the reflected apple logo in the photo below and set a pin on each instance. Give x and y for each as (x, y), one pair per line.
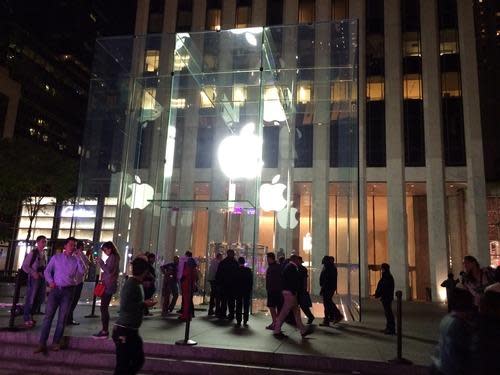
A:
(140, 196)
(283, 219)
(271, 195)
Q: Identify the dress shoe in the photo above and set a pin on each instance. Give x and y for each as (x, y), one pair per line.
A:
(307, 332)
(40, 349)
(310, 320)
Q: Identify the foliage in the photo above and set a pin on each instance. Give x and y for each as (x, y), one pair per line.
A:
(30, 172)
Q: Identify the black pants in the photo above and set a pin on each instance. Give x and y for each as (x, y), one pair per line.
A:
(105, 300)
(242, 303)
(389, 316)
(214, 304)
(76, 298)
(227, 303)
(129, 351)
(331, 310)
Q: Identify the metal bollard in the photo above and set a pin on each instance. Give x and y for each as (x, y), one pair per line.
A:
(399, 331)
(15, 301)
(92, 314)
(187, 341)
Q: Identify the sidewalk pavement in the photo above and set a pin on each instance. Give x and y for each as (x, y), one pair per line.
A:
(351, 340)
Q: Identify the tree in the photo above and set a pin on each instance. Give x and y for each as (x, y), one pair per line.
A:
(30, 172)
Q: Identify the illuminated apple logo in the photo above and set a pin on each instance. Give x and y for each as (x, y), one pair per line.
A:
(283, 216)
(271, 195)
(141, 194)
(240, 156)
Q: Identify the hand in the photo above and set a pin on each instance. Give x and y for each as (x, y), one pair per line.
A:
(52, 285)
(150, 302)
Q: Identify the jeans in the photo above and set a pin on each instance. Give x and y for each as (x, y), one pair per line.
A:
(74, 303)
(105, 300)
(169, 289)
(32, 290)
(290, 303)
(60, 297)
(242, 303)
(129, 351)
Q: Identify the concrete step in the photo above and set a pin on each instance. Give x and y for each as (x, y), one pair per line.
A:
(89, 356)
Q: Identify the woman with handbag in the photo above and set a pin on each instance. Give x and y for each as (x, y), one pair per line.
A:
(109, 279)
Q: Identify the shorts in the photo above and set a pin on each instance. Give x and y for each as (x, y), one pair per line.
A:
(274, 299)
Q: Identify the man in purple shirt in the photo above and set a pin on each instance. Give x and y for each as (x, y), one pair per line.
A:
(62, 275)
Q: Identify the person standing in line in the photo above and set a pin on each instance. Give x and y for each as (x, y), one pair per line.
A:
(149, 281)
(214, 304)
(225, 279)
(78, 290)
(489, 330)
(244, 280)
(273, 288)
(170, 286)
(110, 270)
(291, 286)
(305, 302)
(385, 291)
(328, 284)
(128, 343)
(476, 279)
(61, 274)
(34, 266)
(450, 283)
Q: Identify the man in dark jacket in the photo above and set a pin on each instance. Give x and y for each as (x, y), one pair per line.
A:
(244, 281)
(385, 291)
(225, 279)
(328, 284)
(292, 283)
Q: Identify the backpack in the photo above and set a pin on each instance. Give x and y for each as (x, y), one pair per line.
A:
(22, 275)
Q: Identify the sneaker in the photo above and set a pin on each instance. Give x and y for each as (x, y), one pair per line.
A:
(270, 326)
(280, 335)
(245, 323)
(29, 324)
(101, 335)
(238, 324)
(40, 349)
(55, 347)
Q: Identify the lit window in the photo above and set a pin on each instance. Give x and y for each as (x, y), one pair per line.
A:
(411, 44)
(448, 42)
(375, 88)
(180, 62)
(450, 84)
(243, 16)
(306, 11)
(208, 97)
(339, 91)
(178, 103)
(239, 95)
(213, 19)
(412, 86)
(340, 9)
(304, 93)
(152, 60)
(148, 99)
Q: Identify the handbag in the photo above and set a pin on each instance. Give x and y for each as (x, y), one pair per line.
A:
(99, 290)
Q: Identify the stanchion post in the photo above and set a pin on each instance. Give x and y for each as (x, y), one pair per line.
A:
(15, 301)
(187, 305)
(94, 299)
(399, 331)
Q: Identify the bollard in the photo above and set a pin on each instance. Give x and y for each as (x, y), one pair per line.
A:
(399, 331)
(15, 301)
(187, 341)
(94, 299)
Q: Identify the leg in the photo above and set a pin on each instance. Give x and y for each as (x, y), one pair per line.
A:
(211, 303)
(137, 353)
(288, 299)
(389, 317)
(166, 291)
(239, 307)
(40, 297)
(175, 296)
(105, 300)
(74, 303)
(123, 351)
(64, 306)
(230, 304)
(31, 292)
(307, 311)
(327, 305)
(246, 308)
(298, 318)
(50, 311)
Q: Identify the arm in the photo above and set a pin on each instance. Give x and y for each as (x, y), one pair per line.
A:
(28, 265)
(111, 265)
(48, 272)
(82, 264)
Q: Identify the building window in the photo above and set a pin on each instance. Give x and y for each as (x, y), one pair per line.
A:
(208, 96)
(243, 13)
(239, 95)
(184, 16)
(450, 84)
(274, 12)
(214, 13)
(180, 62)
(152, 60)
(412, 86)
(375, 86)
(306, 11)
(340, 9)
(155, 22)
(448, 42)
(148, 99)
(304, 93)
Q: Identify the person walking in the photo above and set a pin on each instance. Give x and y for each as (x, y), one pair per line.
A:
(305, 302)
(149, 281)
(385, 291)
(225, 278)
(450, 283)
(273, 288)
(34, 266)
(244, 280)
(328, 284)
(170, 286)
(128, 342)
(214, 304)
(291, 286)
(78, 290)
(61, 275)
(110, 270)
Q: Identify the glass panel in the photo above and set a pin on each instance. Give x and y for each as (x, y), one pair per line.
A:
(204, 159)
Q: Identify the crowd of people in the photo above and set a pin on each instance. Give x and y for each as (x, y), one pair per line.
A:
(468, 333)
